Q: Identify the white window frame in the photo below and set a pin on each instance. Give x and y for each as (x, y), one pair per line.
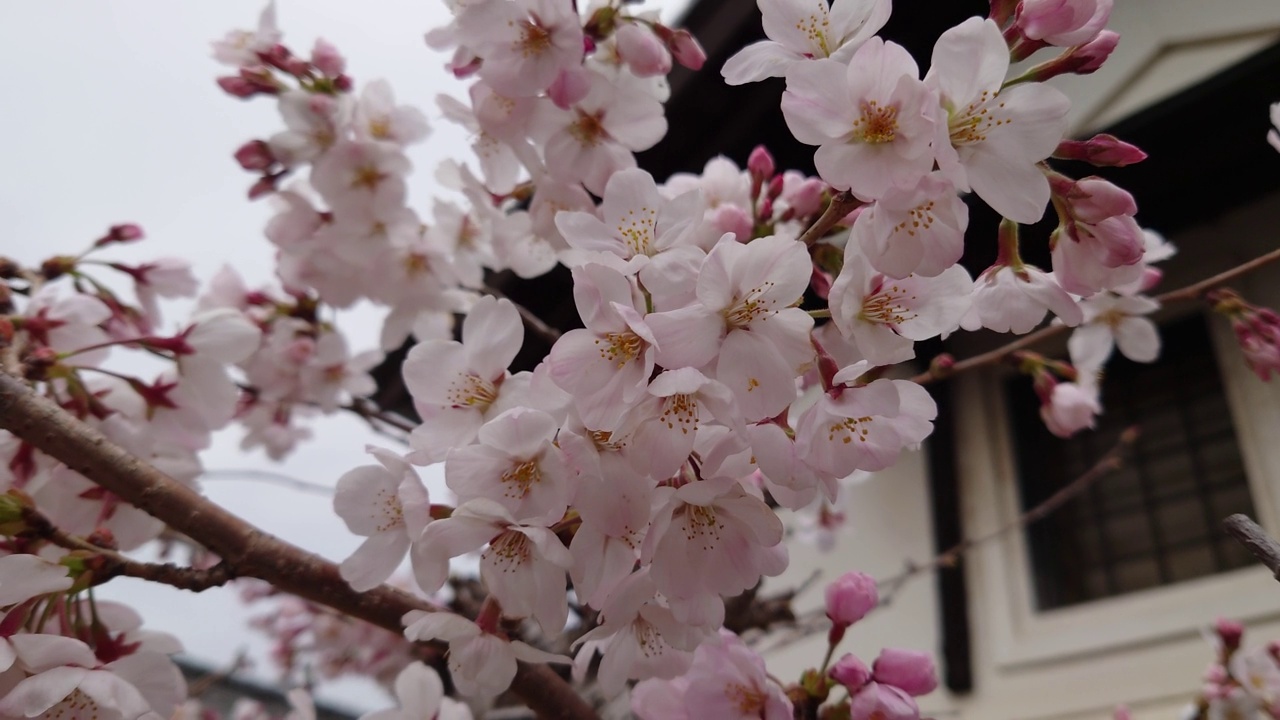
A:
(1000, 581)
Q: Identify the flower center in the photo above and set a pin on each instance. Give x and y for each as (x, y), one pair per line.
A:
(534, 39)
(472, 391)
(817, 27)
(974, 123)
(752, 305)
(620, 348)
(750, 701)
(637, 229)
(886, 307)
(878, 124)
(520, 479)
(588, 129)
(919, 219)
(849, 428)
(510, 549)
(681, 411)
(367, 177)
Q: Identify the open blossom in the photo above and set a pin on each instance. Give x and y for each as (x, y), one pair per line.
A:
(680, 402)
(1112, 321)
(595, 137)
(727, 680)
(420, 694)
(514, 463)
(1015, 298)
(606, 365)
(913, 230)
(712, 538)
(523, 566)
(386, 503)
(240, 48)
(480, 664)
(377, 117)
(800, 30)
(743, 324)
(526, 45)
(23, 577)
(872, 119)
(455, 386)
(863, 428)
(990, 139)
(884, 317)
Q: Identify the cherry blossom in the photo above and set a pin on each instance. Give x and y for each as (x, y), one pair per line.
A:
(525, 44)
(1063, 22)
(991, 139)
(514, 463)
(420, 694)
(1111, 321)
(481, 664)
(918, 230)
(799, 30)
(387, 504)
(872, 118)
(1015, 298)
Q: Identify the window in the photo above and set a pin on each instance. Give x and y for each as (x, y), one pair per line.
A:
(1157, 520)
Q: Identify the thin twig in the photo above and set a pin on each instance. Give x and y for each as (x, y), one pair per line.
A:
(247, 550)
(1111, 461)
(534, 323)
(107, 563)
(1195, 291)
(1256, 540)
(267, 476)
(842, 203)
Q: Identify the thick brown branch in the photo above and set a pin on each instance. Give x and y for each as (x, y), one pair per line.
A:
(248, 551)
(1251, 535)
(1195, 291)
(842, 203)
(1113, 460)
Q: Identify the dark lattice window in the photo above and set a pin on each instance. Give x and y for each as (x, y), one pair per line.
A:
(1158, 520)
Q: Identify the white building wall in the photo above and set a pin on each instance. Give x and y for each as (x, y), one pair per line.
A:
(1145, 649)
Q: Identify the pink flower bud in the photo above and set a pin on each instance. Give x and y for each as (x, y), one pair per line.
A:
(731, 218)
(642, 51)
(912, 672)
(1151, 277)
(327, 59)
(1230, 631)
(125, 232)
(1069, 408)
(1100, 150)
(570, 86)
(255, 155)
(806, 198)
(1091, 56)
(236, 86)
(882, 702)
(850, 598)
(850, 672)
(761, 164)
(1122, 713)
(686, 50)
(342, 83)
(1063, 22)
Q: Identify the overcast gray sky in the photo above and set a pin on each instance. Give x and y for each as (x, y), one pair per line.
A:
(112, 115)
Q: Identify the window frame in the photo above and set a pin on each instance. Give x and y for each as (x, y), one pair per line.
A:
(1005, 612)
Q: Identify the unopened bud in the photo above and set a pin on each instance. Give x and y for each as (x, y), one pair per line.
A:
(686, 50)
(850, 672)
(342, 83)
(255, 155)
(1101, 151)
(850, 598)
(57, 266)
(643, 53)
(761, 163)
(1082, 60)
(908, 670)
(37, 363)
(327, 59)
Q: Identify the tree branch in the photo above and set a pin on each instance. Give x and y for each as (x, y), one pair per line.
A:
(1251, 535)
(842, 203)
(107, 563)
(532, 321)
(1111, 461)
(1195, 291)
(247, 550)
